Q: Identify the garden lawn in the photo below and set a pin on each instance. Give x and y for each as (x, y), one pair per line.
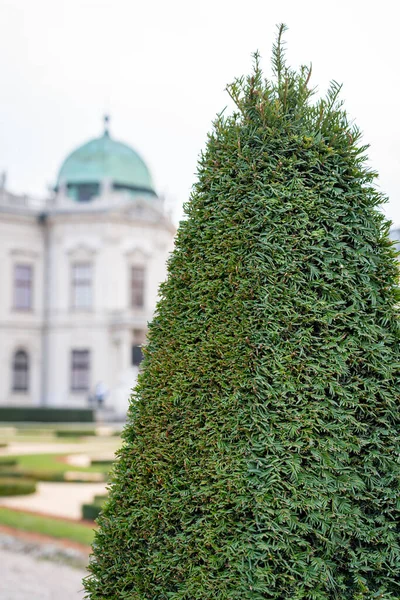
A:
(52, 462)
(76, 532)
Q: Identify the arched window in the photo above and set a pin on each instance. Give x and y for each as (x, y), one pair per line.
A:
(21, 371)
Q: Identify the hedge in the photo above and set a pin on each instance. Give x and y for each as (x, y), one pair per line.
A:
(18, 414)
(90, 512)
(35, 475)
(13, 473)
(16, 487)
(7, 462)
(75, 432)
(55, 476)
(101, 461)
(260, 457)
(38, 475)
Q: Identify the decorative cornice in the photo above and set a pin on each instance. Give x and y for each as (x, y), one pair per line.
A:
(25, 253)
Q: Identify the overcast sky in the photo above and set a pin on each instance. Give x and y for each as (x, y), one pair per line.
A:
(159, 67)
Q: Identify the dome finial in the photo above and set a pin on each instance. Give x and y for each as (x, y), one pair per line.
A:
(106, 120)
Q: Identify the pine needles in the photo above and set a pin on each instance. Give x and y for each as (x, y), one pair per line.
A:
(261, 456)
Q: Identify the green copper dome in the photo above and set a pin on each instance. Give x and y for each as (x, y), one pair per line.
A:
(101, 159)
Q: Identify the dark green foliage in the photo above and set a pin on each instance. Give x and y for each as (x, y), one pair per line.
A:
(32, 474)
(44, 475)
(11, 473)
(260, 459)
(47, 475)
(21, 414)
(75, 432)
(7, 462)
(16, 486)
(92, 510)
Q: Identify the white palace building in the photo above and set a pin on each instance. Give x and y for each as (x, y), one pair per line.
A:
(79, 277)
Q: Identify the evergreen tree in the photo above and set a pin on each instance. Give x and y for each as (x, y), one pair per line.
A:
(260, 458)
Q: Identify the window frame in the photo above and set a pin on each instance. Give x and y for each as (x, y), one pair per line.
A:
(79, 366)
(79, 283)
(136, 355)
(18, 369)
(141, 292)
(23, 285)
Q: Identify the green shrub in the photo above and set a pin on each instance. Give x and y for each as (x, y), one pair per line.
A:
(6, 473)
(15, 414)
(7, 462)
(58, 476)
(41, 475)
(90, 512)
(260, 458)
(45, 475)
(84, 476)
(16, 487)
(75, 432)
(101, 461)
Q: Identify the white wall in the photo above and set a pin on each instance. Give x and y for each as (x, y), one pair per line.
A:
(21, 242)
(113, 239)
(113, 242)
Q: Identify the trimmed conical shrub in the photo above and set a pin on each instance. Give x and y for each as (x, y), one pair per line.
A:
(260, 458)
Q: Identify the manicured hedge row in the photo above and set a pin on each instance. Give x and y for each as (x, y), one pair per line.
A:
(38, 475)
(16, 487)
(32, 475)
(75, 432)
(101, 461)
(90, 512)
(13, 473)
(7, 462)
(45, 414)
(55, 476)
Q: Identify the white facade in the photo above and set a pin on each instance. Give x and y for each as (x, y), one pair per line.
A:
(79, 283)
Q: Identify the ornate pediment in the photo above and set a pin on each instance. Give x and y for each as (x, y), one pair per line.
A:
(137, 254)
(81, 251)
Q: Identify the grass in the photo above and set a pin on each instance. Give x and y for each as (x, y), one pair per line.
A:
(51, 462)
(47, 432)
(76, 532)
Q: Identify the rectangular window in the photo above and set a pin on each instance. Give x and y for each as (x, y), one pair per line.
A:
(137, 355)
(137, 287)
(23, 283)
(20, 371)
(82, 285)
(80, 370)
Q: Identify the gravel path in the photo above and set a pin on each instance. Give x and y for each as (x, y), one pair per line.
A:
(24, 577)
(58, 499)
